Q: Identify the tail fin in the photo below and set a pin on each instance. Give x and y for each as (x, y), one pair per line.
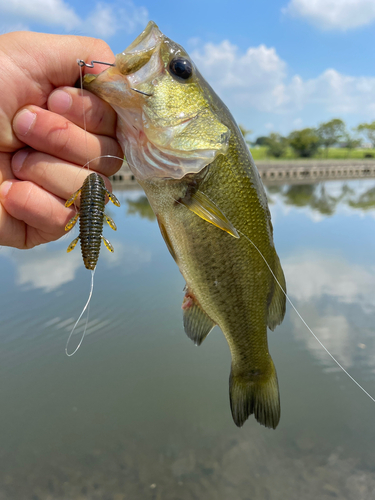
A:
(257, 394)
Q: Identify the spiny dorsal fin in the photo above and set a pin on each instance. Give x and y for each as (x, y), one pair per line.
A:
(202, 206)
(276, 309)
(197, 324)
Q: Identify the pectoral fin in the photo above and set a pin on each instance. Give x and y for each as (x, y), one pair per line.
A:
(197, 324)
(202, 206)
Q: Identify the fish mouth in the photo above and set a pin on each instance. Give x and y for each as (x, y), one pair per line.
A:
(162, 133)
(127, 81)
(140, 51)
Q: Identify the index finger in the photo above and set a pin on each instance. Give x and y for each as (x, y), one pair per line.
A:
(84, 109)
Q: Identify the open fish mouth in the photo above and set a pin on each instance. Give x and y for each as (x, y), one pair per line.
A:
(166, 124)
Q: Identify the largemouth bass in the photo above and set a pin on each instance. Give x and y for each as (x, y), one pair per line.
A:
(185, 149)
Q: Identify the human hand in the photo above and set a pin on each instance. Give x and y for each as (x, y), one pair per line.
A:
(36, 180)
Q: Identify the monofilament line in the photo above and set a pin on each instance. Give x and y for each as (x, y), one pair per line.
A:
(83, 112)
(87, 306)
(304, 322)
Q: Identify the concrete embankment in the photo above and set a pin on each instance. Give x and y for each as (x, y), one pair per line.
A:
(274, 172)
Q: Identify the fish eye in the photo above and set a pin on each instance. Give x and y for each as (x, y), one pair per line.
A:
(181, 68)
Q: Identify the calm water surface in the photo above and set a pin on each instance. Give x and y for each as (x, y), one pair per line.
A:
(141, 413)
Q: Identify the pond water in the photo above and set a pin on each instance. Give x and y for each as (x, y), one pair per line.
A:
(139, 412)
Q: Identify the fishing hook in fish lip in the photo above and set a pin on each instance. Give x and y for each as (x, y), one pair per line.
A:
(140, 92)
(82, 63)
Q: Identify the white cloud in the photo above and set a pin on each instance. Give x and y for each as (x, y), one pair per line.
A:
(337, 93)
(48, 269)
(48, 12)
(7, 28)
(333, 14)
(108, 18)
(104, 20)
(254, 78)
(258, 80)
(310, 275)
(297, 122)
(128, 258)
(41, 268)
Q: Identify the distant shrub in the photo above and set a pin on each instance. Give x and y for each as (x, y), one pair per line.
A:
(276, 145)
(261, 141)
(304, 142)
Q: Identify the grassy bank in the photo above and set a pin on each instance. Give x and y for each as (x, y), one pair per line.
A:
(260, 153)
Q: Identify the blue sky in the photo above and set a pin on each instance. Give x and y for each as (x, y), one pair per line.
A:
(279, 65)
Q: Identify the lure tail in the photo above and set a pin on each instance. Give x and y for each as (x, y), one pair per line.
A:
(255, 394)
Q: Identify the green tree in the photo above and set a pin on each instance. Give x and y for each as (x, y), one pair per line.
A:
(276, 145)
(245, 132)
(351, 142)
(331, 132)
(304, 142)
(368, 130)
(261, 141)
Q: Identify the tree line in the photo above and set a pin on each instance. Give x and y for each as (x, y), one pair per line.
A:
(306, 142)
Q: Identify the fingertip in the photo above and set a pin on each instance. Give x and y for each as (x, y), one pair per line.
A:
(5, 188)
(18, 160)
(60, 102)
(23, 122)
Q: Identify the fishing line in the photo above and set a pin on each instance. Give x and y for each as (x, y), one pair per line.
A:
(83, 111)
(304, 322)
(87, 306)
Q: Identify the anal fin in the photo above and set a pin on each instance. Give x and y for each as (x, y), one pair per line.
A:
(197, 323)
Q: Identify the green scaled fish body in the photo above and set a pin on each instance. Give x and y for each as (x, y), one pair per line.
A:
(188, 154)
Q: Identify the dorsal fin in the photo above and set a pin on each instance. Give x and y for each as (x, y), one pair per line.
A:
(276, 309)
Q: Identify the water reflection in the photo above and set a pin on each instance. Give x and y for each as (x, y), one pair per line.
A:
(139, 412)
(141, 207)
(325, 198)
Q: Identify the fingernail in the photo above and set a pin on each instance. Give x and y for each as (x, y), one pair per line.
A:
(4, 188)
(23, 122)
(18, 160)
(59, 102)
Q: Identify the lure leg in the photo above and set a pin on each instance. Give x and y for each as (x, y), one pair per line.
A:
(73, 244)
(72, 198)
(112, 197)
(110, 222)
(72, 222)
(108, 244)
